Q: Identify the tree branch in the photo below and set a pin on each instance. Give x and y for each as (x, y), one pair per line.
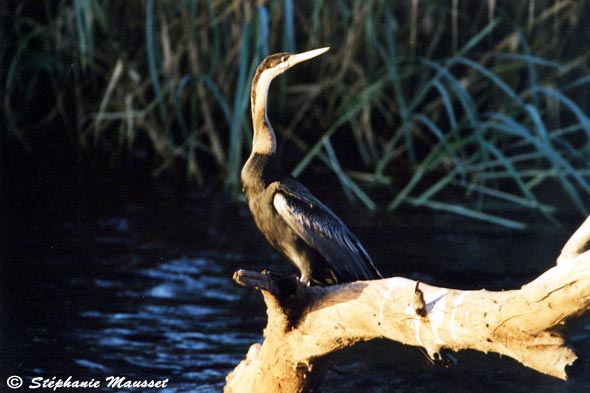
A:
(577, 245)
(306, 323)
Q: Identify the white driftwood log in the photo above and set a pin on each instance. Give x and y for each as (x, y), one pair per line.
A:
(305, 324)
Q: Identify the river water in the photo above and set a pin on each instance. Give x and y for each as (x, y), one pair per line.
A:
(137, 283)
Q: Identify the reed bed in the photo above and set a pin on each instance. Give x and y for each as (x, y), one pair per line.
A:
(463, 106)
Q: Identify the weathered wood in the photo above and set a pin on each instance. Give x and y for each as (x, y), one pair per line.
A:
(306, 323)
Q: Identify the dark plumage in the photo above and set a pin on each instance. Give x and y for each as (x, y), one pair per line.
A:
(291, 218)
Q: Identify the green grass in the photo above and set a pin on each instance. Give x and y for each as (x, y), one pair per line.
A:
(412, 106)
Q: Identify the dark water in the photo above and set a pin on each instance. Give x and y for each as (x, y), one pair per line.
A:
(137, 283)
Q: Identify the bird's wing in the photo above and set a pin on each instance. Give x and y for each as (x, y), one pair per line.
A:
(322, 230)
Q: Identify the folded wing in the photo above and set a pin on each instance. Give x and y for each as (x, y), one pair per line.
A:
(322, 230)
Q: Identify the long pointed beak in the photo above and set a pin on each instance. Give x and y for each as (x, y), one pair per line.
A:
(304, 56)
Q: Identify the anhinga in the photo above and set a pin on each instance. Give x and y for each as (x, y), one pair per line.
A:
(294, 221)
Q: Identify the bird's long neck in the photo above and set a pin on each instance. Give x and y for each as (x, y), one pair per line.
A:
(264, 141)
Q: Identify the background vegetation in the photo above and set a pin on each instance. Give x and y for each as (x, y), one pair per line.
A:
(464, 106)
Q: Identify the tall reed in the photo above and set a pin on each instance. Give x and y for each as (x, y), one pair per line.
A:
(456, 106)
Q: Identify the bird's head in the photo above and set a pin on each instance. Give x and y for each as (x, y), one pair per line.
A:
(278, 63)
(271, 67)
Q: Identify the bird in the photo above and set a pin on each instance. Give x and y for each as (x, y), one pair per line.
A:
(292, 219)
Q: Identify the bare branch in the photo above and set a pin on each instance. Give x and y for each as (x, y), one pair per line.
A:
(304, 324)
(577, 244)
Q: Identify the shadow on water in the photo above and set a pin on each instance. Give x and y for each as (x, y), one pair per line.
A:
(139, 285)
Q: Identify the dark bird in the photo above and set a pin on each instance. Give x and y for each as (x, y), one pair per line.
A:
(291, 218)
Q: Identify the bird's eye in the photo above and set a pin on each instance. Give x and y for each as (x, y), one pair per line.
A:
(284, 57)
